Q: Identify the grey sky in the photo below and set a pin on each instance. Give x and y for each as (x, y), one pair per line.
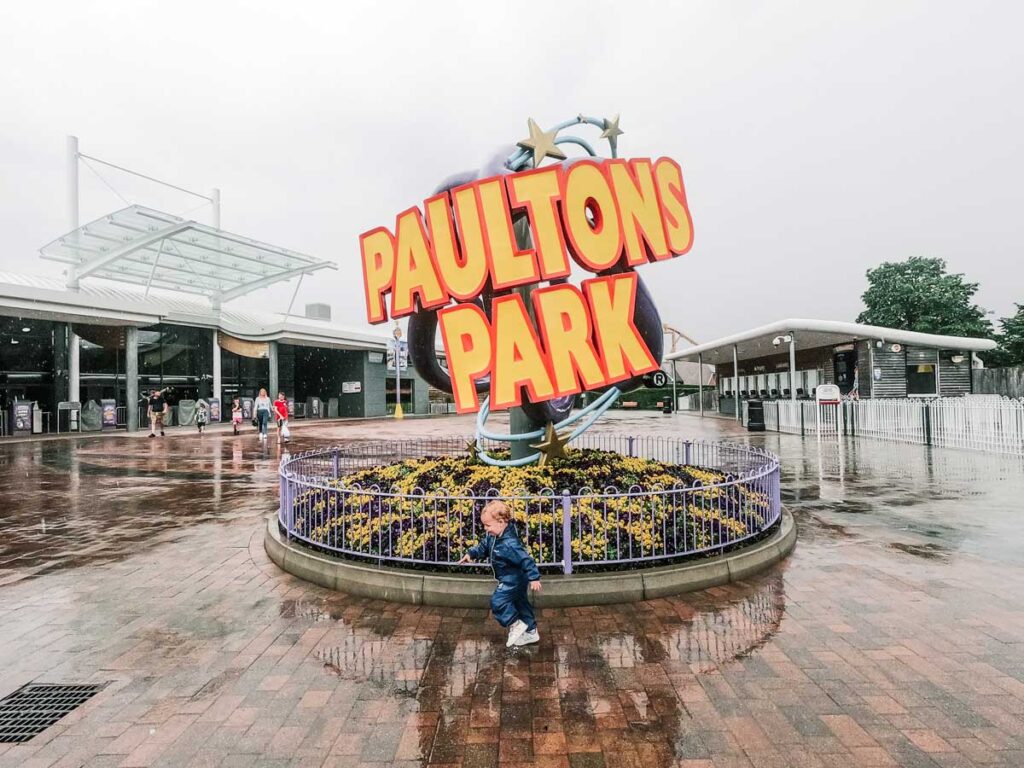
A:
(816, 139)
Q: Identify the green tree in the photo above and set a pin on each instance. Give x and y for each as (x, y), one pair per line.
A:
(919, 295)
(1011, 341)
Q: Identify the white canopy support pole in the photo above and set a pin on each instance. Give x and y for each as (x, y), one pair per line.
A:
(294, 294)
(736, 381)
(152, 272)
(792, 366)
(74, 370)
(700, 381)
(71, 165)
(215, 208)
(216, 367)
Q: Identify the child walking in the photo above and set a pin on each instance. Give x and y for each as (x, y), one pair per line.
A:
(515, 571)
(236, 415)
(281, 411)
(202, 417)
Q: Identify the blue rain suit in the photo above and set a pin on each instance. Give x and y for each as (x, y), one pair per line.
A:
(514, 569)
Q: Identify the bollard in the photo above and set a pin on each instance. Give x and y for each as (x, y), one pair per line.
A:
(567, 533)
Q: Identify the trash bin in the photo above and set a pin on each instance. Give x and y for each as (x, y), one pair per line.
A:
(755, 416)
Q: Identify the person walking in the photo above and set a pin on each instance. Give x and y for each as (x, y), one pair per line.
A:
(202, 416)
(262, 408)
(515, 571)
(155, 411)
(281, 411)
(236, 415)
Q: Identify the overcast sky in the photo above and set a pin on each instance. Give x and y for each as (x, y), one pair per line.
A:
(817, 139)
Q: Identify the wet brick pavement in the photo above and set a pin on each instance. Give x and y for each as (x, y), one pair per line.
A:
(893, 636)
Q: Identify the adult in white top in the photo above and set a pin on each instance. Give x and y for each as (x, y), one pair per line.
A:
(261, 408)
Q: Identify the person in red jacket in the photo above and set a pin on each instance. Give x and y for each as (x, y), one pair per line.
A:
(281, 409)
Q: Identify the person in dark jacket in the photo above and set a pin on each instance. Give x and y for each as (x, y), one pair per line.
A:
(515, 571)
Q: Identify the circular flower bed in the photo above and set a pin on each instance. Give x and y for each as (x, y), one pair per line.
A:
(623, 509)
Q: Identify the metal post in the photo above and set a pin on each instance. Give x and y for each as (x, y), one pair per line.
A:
(736, 380)
(73, 365)
(216, 368)
(71, 169)
(871, 362)
(335, 462)
(131, 372)
(630, 438)
(566, 533)
(215, 208)
(272, 365)
(397, 333)
(71, 166)
(675, 399)
(700, 381)
(792, 366)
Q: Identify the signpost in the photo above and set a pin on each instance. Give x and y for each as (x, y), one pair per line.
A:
(398, 358)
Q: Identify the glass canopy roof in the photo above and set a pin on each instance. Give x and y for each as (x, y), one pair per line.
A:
(147, 247)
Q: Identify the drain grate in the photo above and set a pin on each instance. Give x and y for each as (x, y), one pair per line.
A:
(32, 709)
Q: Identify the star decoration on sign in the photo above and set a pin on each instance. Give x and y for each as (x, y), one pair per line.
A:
(611, 131)
(541, 144)
(553, 446)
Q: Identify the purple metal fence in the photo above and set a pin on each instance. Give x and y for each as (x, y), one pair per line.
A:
(563, 528)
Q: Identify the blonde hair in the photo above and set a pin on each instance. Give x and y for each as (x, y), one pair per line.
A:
(498, 510)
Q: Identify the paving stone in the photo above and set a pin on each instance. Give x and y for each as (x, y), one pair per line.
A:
(890, 637)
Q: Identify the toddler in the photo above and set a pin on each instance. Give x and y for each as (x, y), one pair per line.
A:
(202, 417)
(515, 571)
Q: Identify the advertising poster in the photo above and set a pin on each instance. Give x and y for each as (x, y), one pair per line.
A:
(214, 403)
(109, 414)
(21, 416)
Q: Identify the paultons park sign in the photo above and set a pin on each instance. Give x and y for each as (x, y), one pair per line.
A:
(457, 260)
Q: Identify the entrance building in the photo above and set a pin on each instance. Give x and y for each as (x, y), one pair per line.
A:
(790, 358)
(144, 307)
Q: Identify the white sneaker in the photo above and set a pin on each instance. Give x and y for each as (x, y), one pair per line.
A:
(514, 631)
(527, 638)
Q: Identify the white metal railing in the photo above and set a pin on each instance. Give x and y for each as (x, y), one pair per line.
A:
(901, 421)
(994, 424)
(979, 425)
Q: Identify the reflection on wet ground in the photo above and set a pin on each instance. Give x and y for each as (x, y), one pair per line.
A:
(894, 635)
